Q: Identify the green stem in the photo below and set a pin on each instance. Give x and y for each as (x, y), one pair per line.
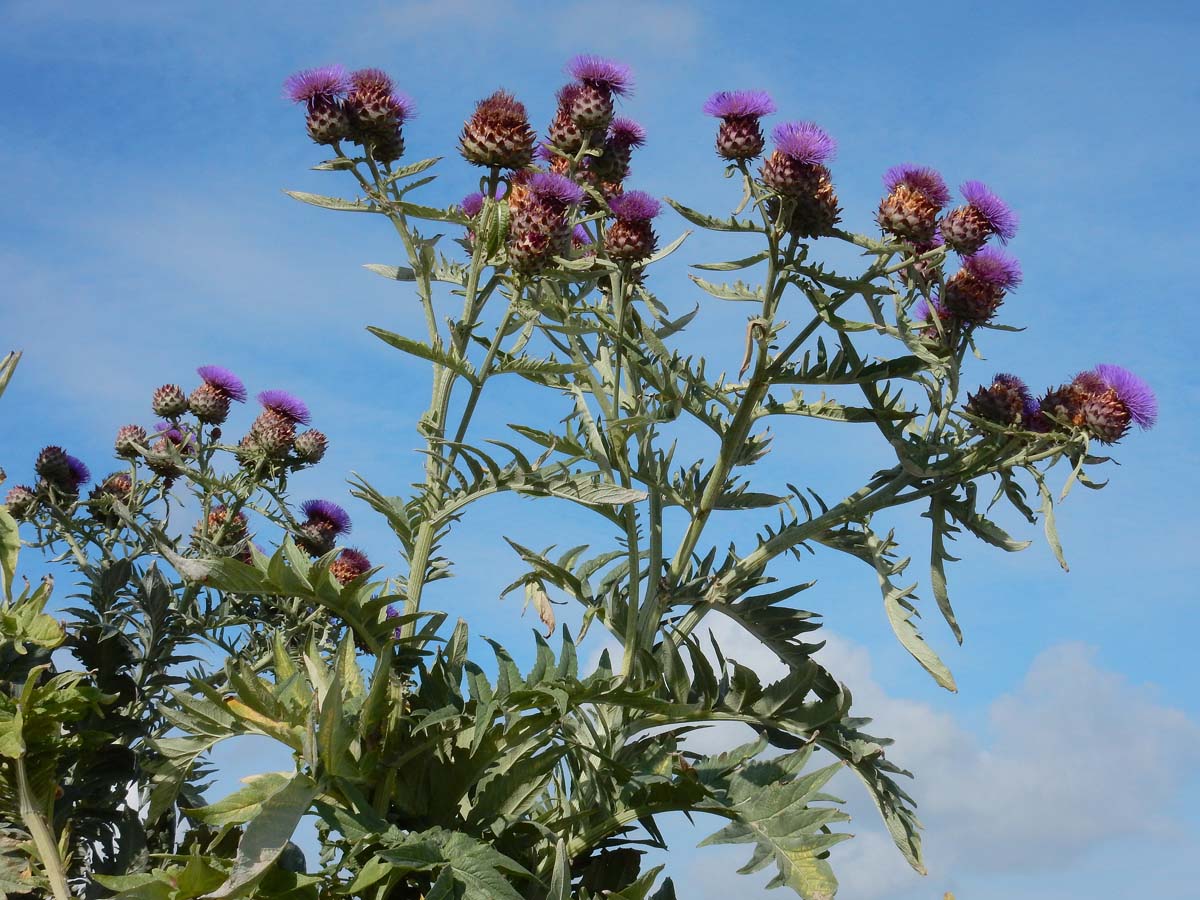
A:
(43, 837)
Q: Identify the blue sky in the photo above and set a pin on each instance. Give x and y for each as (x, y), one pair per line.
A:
(145, 234)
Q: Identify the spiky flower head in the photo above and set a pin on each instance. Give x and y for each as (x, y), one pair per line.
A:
(968, 227)
(796, 168)
(287, 405)
(739, 135)
(53, 464)
(596, 71)
(555, 190)
(1006, 401)
(916, 194)
(472, 204)
(328, 513)
(116, 487)
(209, 404)
(804, 142)
(530, 250)
(324, 523)
(272, 433)
(623, 137)
(625, 133)
(976, 291)
(635, 206)
(224, 381)
(1137, 396)
(739, 105)
(350, 564)
(580, 237)
(310, 446)
(80, 473)
(322, 83)
(564, 133)
(322, 90)
(169, 401)
(20, 501)
(993, 266)
(129, 438)
(498, 133)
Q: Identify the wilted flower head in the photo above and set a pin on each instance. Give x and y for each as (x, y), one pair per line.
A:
(1006, 401)
(804, 142)
(224, 381)
(923, 179)
(287, 405)
(739, 105)
(1137, 396)
(993, 266)
(634, 206)
(328, 513)
(323, 83)
(595, 71)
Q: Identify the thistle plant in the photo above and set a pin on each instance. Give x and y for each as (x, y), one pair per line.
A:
(431, 774)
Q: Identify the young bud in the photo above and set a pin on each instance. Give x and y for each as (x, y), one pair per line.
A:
(129, 438)
(169, 402)
(21, 502)
(1004, 402)
(350, 564)
(498, 133)
(310, 446)
(209, 404)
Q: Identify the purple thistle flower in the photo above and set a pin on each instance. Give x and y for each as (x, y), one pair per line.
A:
(993, 266)
(224, 381)
(739, 105)
(580, 236)
(556, 189)
(1012, 382)
(176, 435)
(919, 178)
(328, 513)
(80, 474)
(999, 215)
(393, 613)
(634, 206)
(472, 204)
(1137, 396)
(626, 133)
(324, 83)
(372, 80)
(287, 405)
(805, 142)
(926, 311)
(600, 72)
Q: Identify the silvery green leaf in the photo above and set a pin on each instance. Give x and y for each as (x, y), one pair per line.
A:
(736, 291)
(395, 273)
(413, 168)
(336, 203)
(424, 351)
(711, 222)
(337, 164)
(732, 265)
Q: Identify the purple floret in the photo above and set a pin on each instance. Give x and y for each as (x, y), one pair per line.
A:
(1137, 396)
(372, 80)
(580, 236)
(919, 178)
(286, 405)
(925, 311)
(1012, 382)
(626, 133)
(176, 435)
(805, 142)
(739, 105)
(600, 72)
(328, 512)
(224, 381)
(993, 266)
(634, 206)
(555, 188)
(999, 214)
(80, 474)
(324, 83)
(472, 204)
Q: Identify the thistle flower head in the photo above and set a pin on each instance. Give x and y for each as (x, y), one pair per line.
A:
(566, 94)
(580, 237)
(1015, 384)
(626, 133)
(634, 206)
(287, 405)
(80, 474)
(373, 80)
(350, 564)
(739, 105)
(178, 436)
(1132, 391)
(603, 73)
(224, 381)
(923, 179)
(327, 513)
(323, 83)
(993, 266)
(805, 142)
(555, 189)
(999, 215)
(472, 204)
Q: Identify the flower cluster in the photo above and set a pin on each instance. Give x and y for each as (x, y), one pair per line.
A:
(1103, 402)
(362, 106)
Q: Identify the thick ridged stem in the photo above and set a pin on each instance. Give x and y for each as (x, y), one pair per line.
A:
(43, 837)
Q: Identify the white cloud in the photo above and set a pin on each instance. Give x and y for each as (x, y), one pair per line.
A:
(1075, 758)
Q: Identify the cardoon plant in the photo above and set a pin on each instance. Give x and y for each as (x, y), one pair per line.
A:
(429, 775)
